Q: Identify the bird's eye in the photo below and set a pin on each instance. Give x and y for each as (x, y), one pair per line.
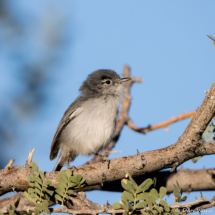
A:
(107, 82)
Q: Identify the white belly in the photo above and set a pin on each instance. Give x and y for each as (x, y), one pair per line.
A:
(93, 128)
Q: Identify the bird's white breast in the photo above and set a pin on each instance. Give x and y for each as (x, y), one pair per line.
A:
(93, 127)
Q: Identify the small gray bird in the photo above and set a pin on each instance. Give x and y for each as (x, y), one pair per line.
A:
(88, 125)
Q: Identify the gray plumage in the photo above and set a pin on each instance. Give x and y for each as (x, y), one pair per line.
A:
(88, 125)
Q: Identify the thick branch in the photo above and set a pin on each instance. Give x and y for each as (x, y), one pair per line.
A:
(15, 178)
(189, 180)
(160, 125)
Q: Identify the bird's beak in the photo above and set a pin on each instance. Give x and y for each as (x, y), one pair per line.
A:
(124, 79)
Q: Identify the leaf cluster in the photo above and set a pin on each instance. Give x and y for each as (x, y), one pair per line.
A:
(143, 197)
(12, 207)
(177, 193)
(40, 190)
(66, 185)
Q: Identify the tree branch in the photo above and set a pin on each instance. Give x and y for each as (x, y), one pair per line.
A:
(189, 180)
(14, 178)
(160, 125)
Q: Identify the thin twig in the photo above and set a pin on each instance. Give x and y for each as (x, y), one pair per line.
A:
(30, 156)
(160, 125)
(10, 163)
(211, 37)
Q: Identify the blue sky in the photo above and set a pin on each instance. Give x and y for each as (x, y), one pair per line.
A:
(164, 42)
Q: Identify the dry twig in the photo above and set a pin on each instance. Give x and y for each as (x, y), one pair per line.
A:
(11, 161)
(160, 125)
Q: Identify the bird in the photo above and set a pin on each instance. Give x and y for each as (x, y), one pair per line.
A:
(88, 125)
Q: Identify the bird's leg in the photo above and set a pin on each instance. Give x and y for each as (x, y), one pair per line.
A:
(104, 158)
(68, 160)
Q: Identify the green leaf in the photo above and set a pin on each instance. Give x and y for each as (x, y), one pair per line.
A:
(145, 185)
(159, 209)
(162, 192)
(60, 191)
(38, 180)
(39, 207)
(130, 207)
(128, 196)
(73, 179)
(71, 184)
(31, 184)
(207, 136)
(42, 175)
(82, 180)
(11, 212)
(68, 173)
(176, 193)
(36, 211)
(167, 208)
(47, 211)
(63, 175)
(142, 196)
(163, 202)
(125, 204)
(154, 193)
(125, 213)
(61, 183)
(127, 185)
(37, 185)
(117, 206)
(132, 181)
(30, 190)
(140, 205)
(50, 192)
(152, 198)
(45, 204)
(178, 199)
(176, 188)
(144, 212)
(70, 192)
(47, 182)
(66, 196)
(31, 178)
(184, 198)
(78, 177)
(34, 166)
(154, 212)
(11, 207)
(32, 172)
(149, 203)
(58, 198)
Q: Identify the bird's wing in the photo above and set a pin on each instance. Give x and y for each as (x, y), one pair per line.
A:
(69, 115)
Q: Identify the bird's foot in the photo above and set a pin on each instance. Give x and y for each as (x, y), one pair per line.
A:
(70, 167)
(104, 158)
